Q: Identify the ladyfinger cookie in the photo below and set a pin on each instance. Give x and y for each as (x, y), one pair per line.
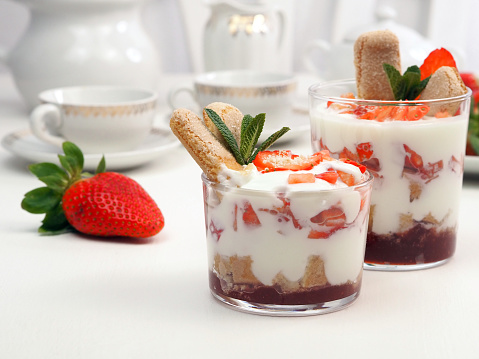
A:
(371, 50)
(231, 116)
(202, 145)
(444, 83)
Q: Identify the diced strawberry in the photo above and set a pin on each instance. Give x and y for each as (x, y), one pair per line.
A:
(331, 217)
(382, 113)
(435, 60)
(215, 231)
(415, 113)
(343, 107)
(361, 167)
(364, 151)
(399, 113)
(347, 178)
(314, 234)
(412, 158)
(330, 176)
(295, 178)
(250, 218)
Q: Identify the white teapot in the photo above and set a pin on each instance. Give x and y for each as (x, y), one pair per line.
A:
(246, 34)
(339, 58)
(82, 42)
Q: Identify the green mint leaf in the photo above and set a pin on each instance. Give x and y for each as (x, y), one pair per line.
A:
(250, 136)
(41, 200)
(269, 141)
(408, 86)
(227, 135)
(394, 77)
(245, 123)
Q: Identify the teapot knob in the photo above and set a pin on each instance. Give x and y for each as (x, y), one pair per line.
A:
(385, 12)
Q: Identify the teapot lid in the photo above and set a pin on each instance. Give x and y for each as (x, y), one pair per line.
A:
(385, 20)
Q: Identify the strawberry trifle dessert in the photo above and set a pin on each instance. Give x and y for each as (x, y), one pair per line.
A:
(410, 132)
(285, 233)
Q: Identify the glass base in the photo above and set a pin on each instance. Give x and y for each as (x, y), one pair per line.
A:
(277, 310)
(402, 267)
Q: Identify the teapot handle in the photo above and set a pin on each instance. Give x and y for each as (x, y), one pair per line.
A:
(308, 62)
(282, 23)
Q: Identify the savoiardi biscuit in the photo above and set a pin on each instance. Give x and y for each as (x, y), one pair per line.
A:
(446, 82)
(231, 116)
(371, 50)
(202, 145)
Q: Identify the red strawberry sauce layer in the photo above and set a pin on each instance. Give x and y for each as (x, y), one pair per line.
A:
(417, 245)
(264, 294)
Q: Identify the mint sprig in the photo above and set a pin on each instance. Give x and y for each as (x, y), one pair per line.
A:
(48, 199)
(408, 86)
(251, 128)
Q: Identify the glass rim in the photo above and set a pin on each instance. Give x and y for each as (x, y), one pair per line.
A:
(247, 191)
(313, 92)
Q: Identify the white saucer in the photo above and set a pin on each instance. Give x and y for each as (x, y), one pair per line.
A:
(25, 145)
(471, 165)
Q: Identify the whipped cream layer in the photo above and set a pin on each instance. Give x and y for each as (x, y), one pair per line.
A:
(439, 142)
(280, 244)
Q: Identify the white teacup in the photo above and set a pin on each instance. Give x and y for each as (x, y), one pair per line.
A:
(98, 119)
(252, 92)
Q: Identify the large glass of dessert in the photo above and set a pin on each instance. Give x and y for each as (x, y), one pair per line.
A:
(288, 242)
(415, 150)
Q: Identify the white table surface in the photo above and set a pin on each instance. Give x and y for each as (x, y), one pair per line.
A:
(70, 296)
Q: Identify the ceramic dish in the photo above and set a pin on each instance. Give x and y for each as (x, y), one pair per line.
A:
(24, 144)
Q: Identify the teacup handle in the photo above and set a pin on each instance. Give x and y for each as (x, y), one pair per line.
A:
(317, 44)
(173, 97)
(43, 118)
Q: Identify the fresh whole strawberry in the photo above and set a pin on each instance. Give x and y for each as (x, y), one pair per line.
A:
(104, 204)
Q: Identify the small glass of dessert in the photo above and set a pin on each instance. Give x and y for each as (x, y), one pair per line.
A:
(415, 150)
(287, 242)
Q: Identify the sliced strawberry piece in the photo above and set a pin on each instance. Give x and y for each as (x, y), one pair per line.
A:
(250, 218)
(347, 178)
(330, 176)
(435, 60)
(286, 160)
(295, 178)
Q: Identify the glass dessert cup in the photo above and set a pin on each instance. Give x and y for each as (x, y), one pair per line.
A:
(417, 165)
(278, 253)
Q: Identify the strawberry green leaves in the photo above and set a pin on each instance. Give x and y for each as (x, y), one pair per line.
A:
(47, 200)
(251, 128)
(408, 86)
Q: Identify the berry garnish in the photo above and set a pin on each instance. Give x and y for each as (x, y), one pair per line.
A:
(435, 60)
(101, 204)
